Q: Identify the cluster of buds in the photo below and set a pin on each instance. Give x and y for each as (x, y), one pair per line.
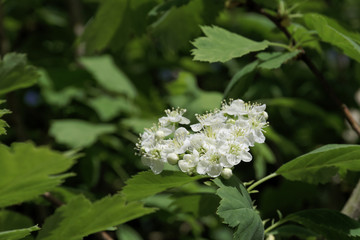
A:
(213, 146)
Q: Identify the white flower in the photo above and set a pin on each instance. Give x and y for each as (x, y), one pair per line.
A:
(189, 162)
(174, 116)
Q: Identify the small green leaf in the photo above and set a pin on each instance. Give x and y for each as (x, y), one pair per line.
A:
(27, 171)
(239, 75)
(151, 184)
(18, 233)
(237, 210)
(331, 224)
(80, 217)
(331, 32)
(220, 45)
(15, 73)
(321, 164)
(11, 220)
(108, 75)
(276, 59)
(77, 133)
(3, 124)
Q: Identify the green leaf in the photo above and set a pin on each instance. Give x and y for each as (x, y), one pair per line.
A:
(3, 124)
(108, 75)
(331, 32)
(180, 22)
(108, 107)
(276, 59)
(321, 164)
(240, 75)
(77, 133)
(291, 230)
(331, 224)
(151, 184)
(220, 45)
(80, 217)
(15, 73)
(18, 233)
(236, 209)
(101, 30)
(27, 171)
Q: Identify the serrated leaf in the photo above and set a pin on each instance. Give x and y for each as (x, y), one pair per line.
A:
(236, 209)
(18, 233)
(321, 164)
(239, 75)
(331, 32)
(78, 133)
(3, 124)
(27, 171)
(108, 75)
(331, 224)
(220, 45)
(146, 184)
(80, 217)
(15, 73)
(276, 59)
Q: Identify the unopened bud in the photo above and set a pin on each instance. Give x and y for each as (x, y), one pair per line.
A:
(159, 134)
(226, 173)
(172, 158)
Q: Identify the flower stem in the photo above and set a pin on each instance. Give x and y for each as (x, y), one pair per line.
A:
(252, 186)
(275, 44)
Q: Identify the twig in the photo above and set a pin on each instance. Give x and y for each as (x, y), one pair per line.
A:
(56, 202)
(352, 206)
(327, 88)
(77, 18)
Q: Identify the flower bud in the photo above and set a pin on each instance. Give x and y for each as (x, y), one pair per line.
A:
(226, 173)
(172, 158)
(159, 134)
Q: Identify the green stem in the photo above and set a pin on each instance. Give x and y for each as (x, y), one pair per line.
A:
(275, 225)
(252, 186)
(275, 44)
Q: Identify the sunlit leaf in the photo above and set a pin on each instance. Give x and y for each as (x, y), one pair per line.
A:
(16, 73)
(151, 184)
(27, 171)
(237, 210)
(321, 164)
(220, 45)
(329, 223)
(3, 124)
(331, 32)
(78, 133)
(109, 75)
(80, 217)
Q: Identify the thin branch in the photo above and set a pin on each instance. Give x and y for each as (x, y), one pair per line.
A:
(56, 202)
(352, 206)
(327, 88)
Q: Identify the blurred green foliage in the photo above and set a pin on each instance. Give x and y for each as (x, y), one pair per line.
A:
(105, 70)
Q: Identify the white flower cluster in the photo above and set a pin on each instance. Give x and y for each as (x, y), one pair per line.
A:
(217, 143)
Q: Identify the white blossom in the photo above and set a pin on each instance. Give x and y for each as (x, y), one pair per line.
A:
(217, 143)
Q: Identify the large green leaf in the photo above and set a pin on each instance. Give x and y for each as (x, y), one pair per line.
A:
(27, 171)
(331, 32)
(17, 233)
(80, 217)
(15, 73)
(237, 210)
(220, 45)
(109, 75)
(321, 164)
(78, 133)
(180, 22)
(3, 124)
(100, 31)
(146, 184)
(331, 224)
(276, 59)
